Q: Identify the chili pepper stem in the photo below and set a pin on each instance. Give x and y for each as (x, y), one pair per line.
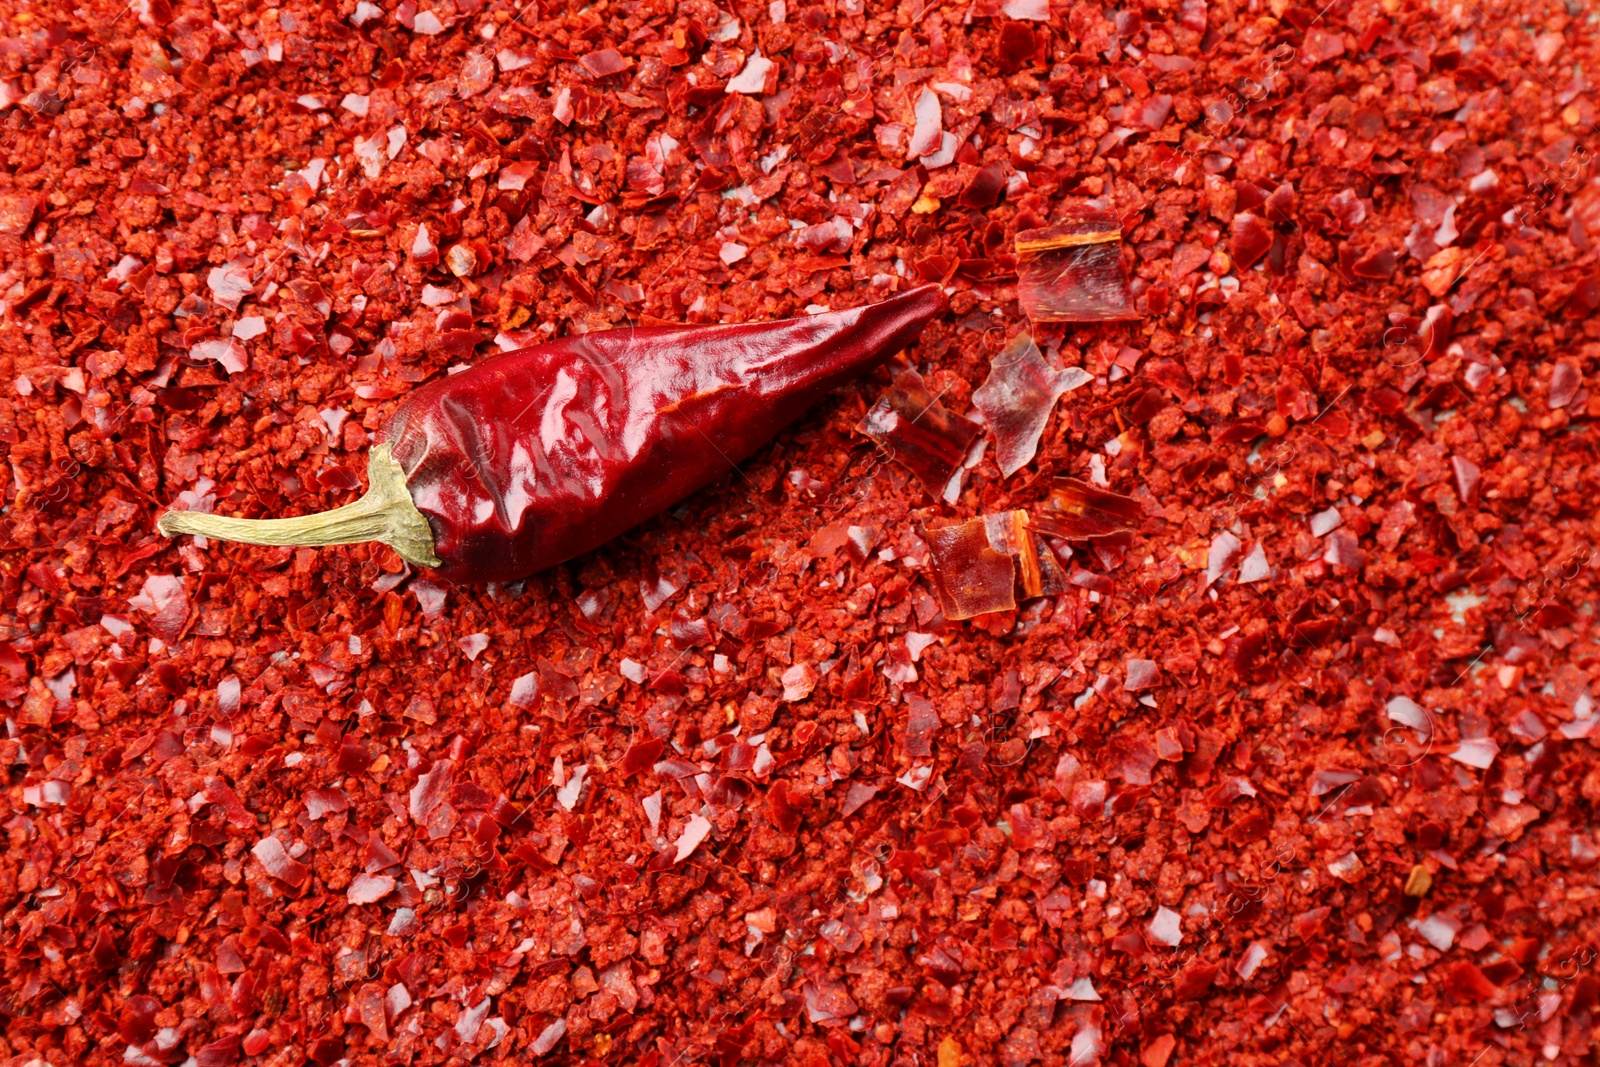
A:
(384, 513)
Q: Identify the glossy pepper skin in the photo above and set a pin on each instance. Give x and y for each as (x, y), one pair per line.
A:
(535, 456)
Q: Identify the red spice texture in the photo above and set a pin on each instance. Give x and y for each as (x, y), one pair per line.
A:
(1279, 750)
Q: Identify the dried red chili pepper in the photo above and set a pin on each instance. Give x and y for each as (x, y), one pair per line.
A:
(538, 455)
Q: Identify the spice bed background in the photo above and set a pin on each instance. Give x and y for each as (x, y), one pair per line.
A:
(1277, 747)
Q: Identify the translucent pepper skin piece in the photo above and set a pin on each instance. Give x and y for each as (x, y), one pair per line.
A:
(538, 455)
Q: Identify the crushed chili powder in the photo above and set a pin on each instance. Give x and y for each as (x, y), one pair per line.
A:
(1297, 769)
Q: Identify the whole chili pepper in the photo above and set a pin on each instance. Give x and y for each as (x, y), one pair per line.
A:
(535, 456)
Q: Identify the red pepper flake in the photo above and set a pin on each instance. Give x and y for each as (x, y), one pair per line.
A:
(278, 863)
(602, 63)
(910, 424)
(1080, 511)
(1565, 379)
(1251, 240)
(856, 797)
(987, 564)
(1073, 271)
(1017, 398)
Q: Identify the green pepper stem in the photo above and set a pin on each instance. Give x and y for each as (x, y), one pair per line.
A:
(384, 513)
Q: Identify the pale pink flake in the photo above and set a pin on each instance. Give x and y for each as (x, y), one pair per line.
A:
(431, 790)
(1478, 752)
(1224, 550)
(1086, 1045)
(897, 666)
(430, 597)
(617, 980)
(1067, 768)
(250, 327)
(324, 802)
(1089, 797)
(469, 1021)
(511, 59)
(1466, 474)
(1142, 674)
(230, 354)
(1439, 931)
(892, 138)
(1253, 958)
(1344, 550)
(563, 107)
(1548, 45)
(567, 795)
(333, 419)
(732, 252)
(1166, 928)
(369, 153)
(1446, 234)
(925, 137)
(1030, 10)
(163, 600)
(1565, 379)
(355, 103)
(548, 1037)
(369, 888)
(272, 856)
(422, 245)
(523, 690)
(916, 778)
(753, 78)
(473, 645)
(1407, 712)
(831, 236)
(657, 593)
(477, 74)
(798, 681)
(689, 840)
(657, 148)
(515, 176)
(944, 155)
(1578, 729)
(124, 268)
(1325, 522)
(1081, 989)
(1326, 781)
(1255, 567)
(229, 284)
(427, 23)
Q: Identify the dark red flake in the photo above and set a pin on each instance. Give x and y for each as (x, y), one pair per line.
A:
(1251, 239)
(911, 425)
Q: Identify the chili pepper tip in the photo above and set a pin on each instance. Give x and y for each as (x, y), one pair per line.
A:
(384, 513)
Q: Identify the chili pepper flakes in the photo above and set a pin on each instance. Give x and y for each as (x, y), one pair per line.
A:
(1294, 767)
